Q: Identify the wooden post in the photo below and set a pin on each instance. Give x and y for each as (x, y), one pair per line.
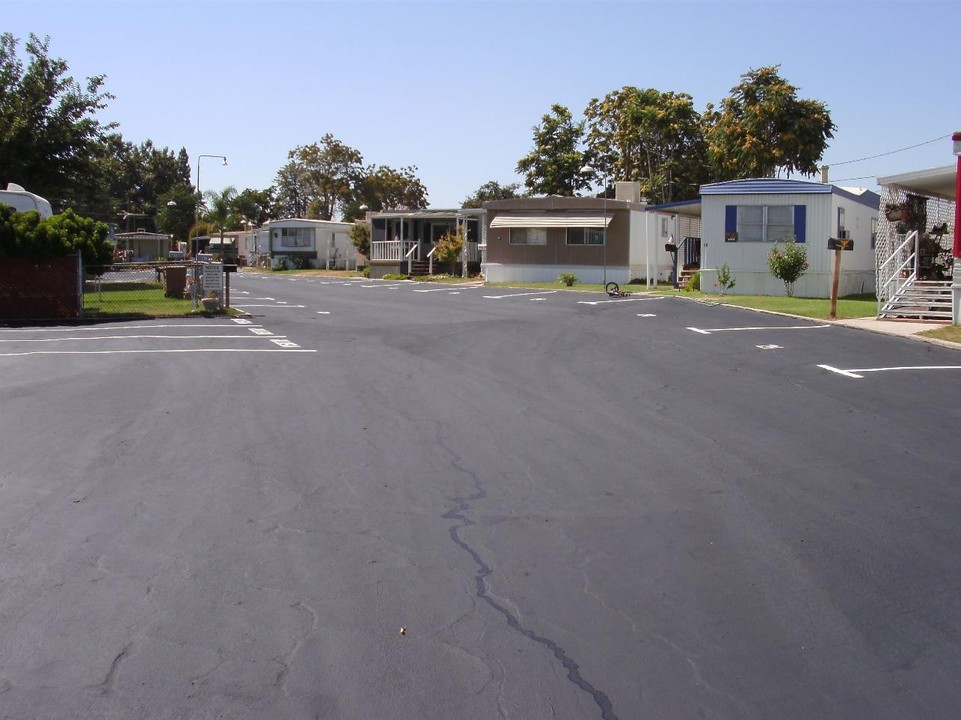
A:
(835, 282)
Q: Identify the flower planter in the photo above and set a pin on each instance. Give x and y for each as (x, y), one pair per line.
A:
(894, 214)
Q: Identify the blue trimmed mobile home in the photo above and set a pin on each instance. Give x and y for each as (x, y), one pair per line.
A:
(741, 220)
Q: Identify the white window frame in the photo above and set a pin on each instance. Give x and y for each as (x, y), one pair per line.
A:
(764, 225)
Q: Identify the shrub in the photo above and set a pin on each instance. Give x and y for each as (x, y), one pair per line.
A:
(280, 263)
(449, 247)
(693, 282)
(567, 278)
(301, 263)
(725, 280)
(366, 271)
(788, 263)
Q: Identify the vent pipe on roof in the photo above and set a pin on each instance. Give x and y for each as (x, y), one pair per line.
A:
(824, 174)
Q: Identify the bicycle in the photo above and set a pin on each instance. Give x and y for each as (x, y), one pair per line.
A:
(614, 290)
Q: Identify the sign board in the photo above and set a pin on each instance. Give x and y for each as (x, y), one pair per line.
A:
(840, 244)
(730, 236)
(213, 278)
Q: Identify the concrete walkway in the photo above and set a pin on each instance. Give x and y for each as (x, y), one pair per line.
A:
(904, 328)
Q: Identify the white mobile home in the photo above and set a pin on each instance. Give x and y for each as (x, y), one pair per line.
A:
(741, 219)
(324, 243)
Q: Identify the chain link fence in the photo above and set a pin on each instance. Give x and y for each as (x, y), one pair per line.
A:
(142, 290)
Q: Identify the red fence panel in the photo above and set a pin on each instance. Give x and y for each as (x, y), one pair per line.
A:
(39, 291)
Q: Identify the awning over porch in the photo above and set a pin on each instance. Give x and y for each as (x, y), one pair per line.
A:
(563, 220)
(935, 182)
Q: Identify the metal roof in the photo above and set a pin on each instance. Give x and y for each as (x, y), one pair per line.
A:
(542, 220)
(769, 186)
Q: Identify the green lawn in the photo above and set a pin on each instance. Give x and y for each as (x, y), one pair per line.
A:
(146, 300)
(949, 333)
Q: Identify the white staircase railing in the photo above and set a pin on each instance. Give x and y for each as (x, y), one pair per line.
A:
(899, 271)
(430, 261)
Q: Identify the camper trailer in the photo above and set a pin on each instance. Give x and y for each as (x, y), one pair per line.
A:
(19, 199)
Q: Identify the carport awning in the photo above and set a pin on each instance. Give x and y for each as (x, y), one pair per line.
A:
(563, 220)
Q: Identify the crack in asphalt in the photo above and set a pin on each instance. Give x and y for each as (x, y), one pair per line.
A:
(459, 514)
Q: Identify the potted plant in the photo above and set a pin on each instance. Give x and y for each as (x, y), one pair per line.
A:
(894, 212)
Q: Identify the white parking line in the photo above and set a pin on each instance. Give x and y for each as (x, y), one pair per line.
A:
(101, 328)
(282, 307)
(129, 337)
(152, 352)
(614, 300)
(501, 297)
(857, 372)
(709, 331)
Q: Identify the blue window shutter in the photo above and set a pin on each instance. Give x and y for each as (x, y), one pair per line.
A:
(730, 218)
(800, 222)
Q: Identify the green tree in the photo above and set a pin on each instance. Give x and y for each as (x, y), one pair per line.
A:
(651, 137)
(763, 127)
(360, 236)
(491, 190)
(138, 180)
(384, 188)
(293, 194)
(553, 166)
(177, 219)
(255, 206)
(331, 173)
(48, 122)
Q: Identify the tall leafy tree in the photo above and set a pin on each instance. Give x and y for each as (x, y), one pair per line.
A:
(648, 136)
(255, 206)
(384, 188)
(763, 127)
(332, 170)
(491, 190)
(293, 193)
(553, 166)
(48, 123)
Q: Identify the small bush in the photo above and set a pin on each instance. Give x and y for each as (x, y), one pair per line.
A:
(366, 271)
(788, 264)
(638, 281)
(567, 278)
(280, 263)
(301, 263)
(725, 280)
(394, 276)
(693, 282)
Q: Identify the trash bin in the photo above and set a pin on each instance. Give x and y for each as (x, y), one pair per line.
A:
(175, 281)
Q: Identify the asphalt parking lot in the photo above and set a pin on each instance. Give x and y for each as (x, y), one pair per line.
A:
(573, 506)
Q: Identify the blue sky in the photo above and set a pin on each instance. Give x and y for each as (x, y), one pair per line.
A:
(454, 88)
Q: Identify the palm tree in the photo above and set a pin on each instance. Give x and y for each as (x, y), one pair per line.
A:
(220, 209)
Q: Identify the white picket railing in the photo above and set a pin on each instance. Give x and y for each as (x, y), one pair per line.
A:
(391, 249)
(899, 270)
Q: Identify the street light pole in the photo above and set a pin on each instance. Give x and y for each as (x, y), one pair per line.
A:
(588, 170)
(200, 198)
